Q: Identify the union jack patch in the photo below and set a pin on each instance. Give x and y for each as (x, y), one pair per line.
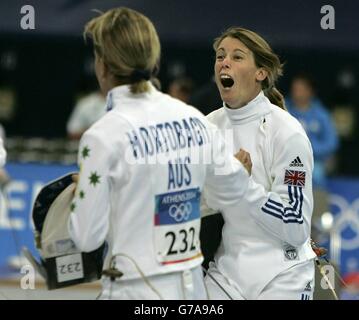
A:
(294, 178)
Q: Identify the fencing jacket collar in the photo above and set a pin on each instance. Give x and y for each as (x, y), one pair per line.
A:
(255, 109)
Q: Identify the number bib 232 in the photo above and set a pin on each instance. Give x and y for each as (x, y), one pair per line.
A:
(177, 226)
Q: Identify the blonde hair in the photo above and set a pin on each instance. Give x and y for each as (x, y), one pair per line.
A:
(264, 57)
(128, 43)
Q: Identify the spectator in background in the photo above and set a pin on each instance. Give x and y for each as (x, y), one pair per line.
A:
(181, 88)
(316, 120)
(89, 109)
(86, 112)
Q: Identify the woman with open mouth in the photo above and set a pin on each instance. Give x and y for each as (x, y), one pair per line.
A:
(265, 252)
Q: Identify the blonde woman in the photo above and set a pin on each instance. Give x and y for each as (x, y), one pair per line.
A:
(265, 251)
(143, 170)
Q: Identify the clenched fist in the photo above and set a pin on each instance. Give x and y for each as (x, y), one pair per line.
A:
(245, 158)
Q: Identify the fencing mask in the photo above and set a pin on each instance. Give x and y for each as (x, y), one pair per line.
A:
(61, 263)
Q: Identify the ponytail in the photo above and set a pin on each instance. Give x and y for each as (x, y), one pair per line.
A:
(139, 80)
(275, 97)
(139, 87)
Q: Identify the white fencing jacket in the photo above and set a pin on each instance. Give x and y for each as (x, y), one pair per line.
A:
(142, 170)
(268, 231)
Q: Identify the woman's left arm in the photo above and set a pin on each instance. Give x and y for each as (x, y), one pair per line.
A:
(286, 210)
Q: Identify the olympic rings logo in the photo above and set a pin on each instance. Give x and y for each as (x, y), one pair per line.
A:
(348, 216)
(180, 212)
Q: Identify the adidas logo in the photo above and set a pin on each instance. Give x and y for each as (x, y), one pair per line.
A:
(296, 163)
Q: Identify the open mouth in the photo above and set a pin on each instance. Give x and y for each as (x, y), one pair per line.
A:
(226, 81)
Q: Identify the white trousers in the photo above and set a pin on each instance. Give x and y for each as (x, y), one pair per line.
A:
(295, 283)
(183, 285)
(219, 287)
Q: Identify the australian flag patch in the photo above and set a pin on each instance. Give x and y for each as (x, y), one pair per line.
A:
(294, 178)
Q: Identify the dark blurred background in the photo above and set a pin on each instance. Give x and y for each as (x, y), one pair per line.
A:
(44, 71)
